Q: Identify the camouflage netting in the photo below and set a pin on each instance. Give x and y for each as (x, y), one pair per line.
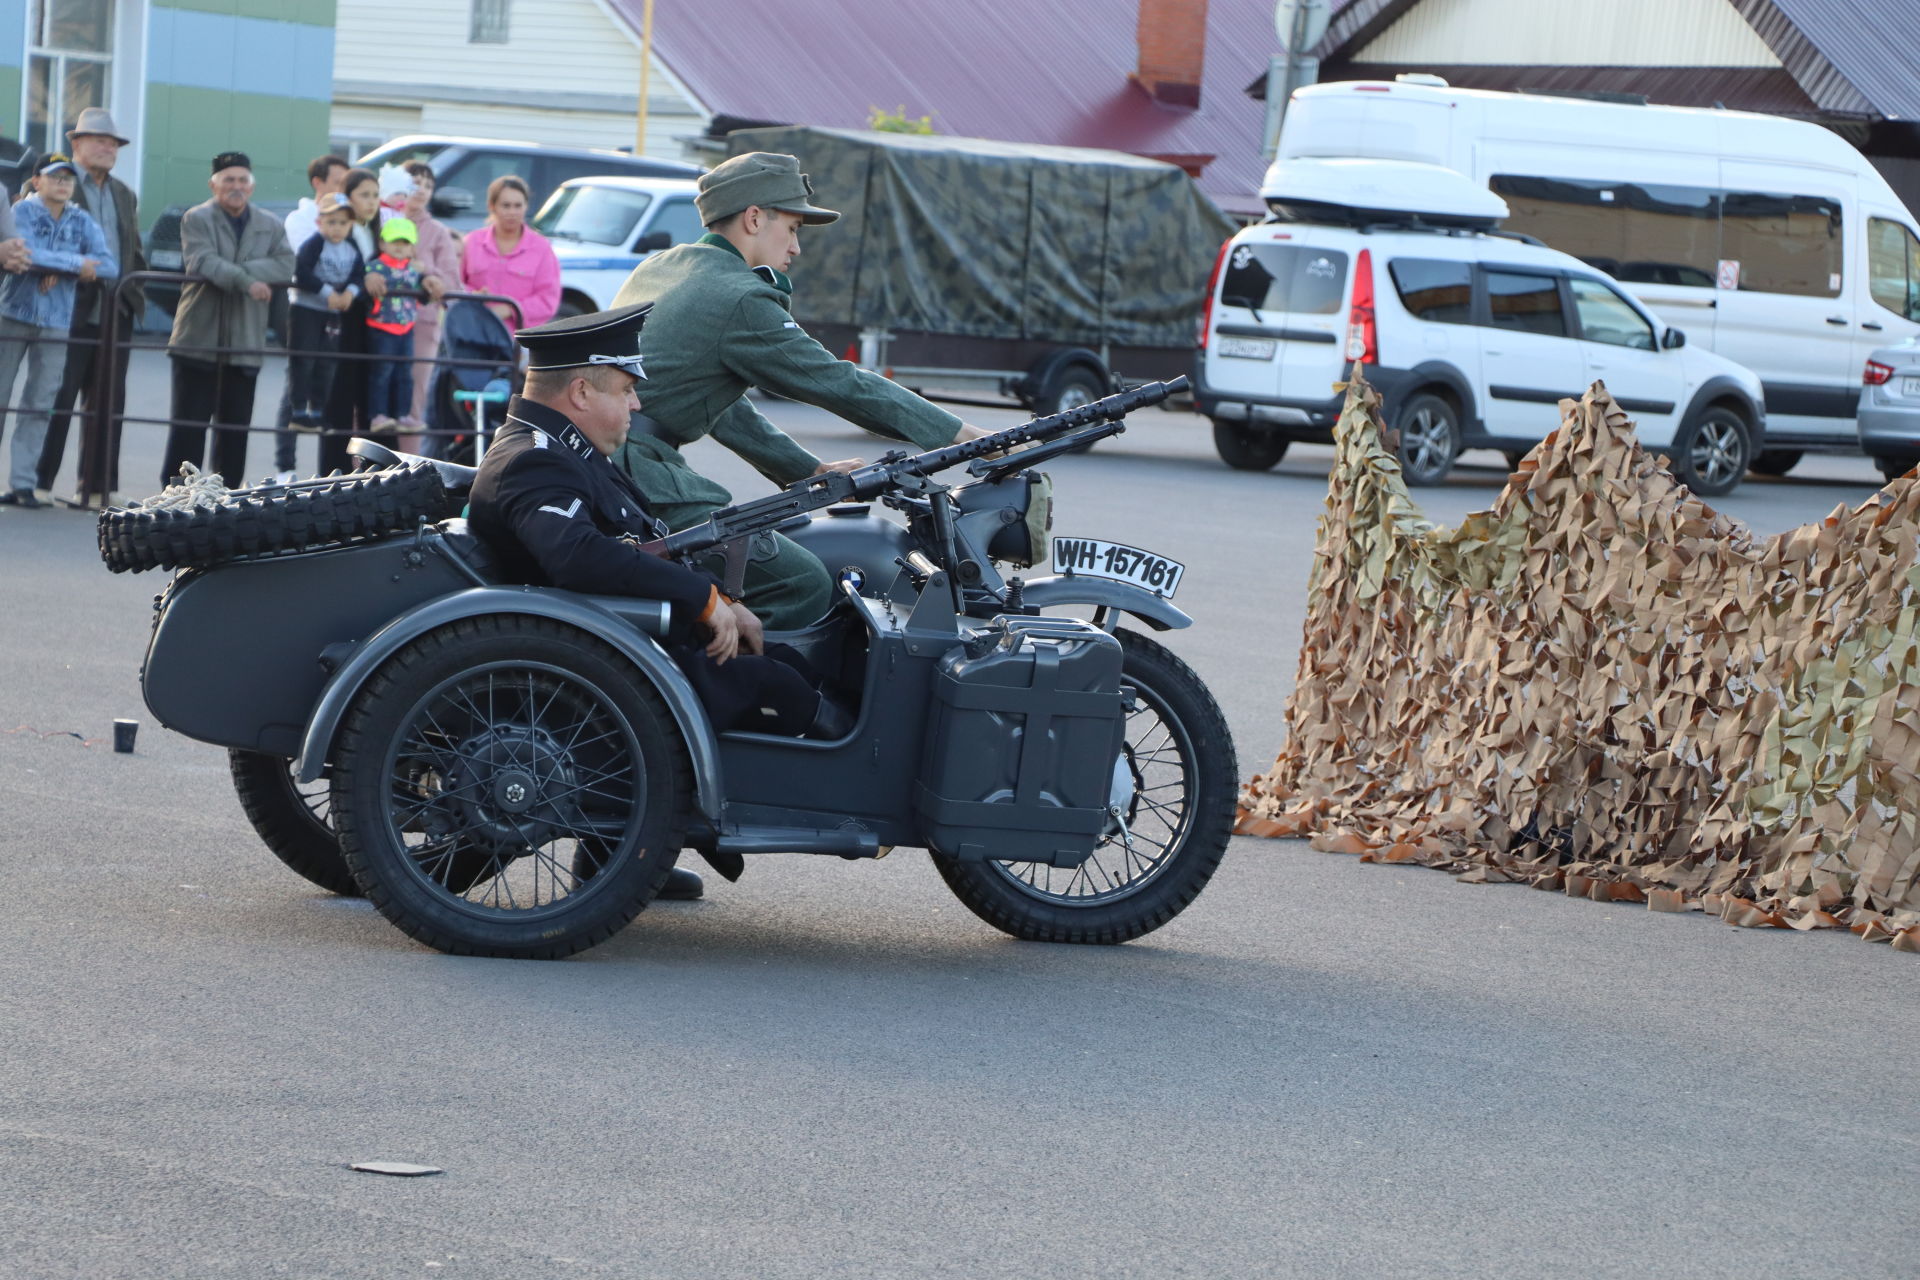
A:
(1602, 685)
(998, 239)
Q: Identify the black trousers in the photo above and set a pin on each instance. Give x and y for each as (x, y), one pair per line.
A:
(205, 393)
(310, 366)
(76, 386)
(776, 693)
(347, 405)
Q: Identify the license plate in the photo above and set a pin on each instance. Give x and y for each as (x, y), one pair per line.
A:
(1090, 558)
(1910, 387)
(1248, 348)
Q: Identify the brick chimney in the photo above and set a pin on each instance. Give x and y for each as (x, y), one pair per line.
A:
(1172, 36)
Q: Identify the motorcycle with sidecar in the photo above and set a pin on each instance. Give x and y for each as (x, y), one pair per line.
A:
(512, 770)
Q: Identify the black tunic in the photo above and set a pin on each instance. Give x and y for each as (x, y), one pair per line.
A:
(553, 510)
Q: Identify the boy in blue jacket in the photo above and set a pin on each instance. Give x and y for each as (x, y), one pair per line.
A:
(67, 246)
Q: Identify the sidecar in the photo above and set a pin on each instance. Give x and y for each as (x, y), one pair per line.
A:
(512, 770)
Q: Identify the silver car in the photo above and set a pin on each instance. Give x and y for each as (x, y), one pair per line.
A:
(1890, 408)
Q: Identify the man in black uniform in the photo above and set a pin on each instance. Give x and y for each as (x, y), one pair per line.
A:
(557, 512)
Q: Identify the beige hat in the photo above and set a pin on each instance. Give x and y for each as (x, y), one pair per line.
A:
(97, 121)
(763, 178)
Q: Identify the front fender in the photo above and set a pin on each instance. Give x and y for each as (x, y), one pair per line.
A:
(1156, 611)
(562, 606)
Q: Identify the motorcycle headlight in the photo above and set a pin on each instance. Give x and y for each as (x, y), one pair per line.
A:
(1023, 541)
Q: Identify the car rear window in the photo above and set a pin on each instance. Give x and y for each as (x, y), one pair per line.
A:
(1434, 290)
(1289, 278)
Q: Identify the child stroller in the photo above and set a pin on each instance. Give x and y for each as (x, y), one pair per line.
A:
(471, 332)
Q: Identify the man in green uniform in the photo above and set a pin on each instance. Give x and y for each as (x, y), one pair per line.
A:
(721, 323)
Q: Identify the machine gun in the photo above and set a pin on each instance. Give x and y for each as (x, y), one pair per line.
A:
(731, 528)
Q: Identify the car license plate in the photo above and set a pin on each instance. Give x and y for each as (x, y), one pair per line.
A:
(1910, 387)
(1248, 348)
(1091, 558)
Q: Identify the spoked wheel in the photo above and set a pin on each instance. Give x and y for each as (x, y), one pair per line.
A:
(510, 787)
(293, 820)
(1174, 792)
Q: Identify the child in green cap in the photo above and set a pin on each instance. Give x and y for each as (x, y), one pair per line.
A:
(390, 326)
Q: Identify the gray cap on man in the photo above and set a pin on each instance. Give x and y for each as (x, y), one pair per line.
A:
(764, 178)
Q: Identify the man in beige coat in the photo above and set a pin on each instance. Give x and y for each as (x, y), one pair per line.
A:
(220, 327)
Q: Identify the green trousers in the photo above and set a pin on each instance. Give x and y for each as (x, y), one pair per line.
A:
(785, 584)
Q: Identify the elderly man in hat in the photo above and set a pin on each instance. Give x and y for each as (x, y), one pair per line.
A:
(36, 310)
(220, 327)
(721, 324)
(557, 512)
(96, 143)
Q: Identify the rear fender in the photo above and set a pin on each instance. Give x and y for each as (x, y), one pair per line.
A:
(1156, 611)
(579, 611)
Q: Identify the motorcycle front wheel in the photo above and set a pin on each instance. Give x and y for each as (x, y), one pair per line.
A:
(291, 820)
(1180, 754)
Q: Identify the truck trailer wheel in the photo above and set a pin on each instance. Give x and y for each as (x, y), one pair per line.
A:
(1179, 754)
(1247, 448)
(292, 823)
(1070, 387)
(508, 786)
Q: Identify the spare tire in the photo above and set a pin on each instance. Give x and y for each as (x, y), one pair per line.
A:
(312, 513)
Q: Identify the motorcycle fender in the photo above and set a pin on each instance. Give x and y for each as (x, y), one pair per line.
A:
(1156, 611)
(653, 663)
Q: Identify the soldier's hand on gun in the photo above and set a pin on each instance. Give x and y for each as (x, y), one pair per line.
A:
(970, 432)
(846, 466)
(753, 637)
(259, 291)
(725, 645)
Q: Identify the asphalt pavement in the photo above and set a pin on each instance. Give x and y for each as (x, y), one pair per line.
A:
(1322, 1068)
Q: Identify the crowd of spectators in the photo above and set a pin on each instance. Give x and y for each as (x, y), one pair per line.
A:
(364, 266)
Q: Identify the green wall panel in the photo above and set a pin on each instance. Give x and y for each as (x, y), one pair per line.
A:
(318, 13)
(187, 127)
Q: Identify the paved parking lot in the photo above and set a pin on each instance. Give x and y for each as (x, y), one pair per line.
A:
(1322, 1068)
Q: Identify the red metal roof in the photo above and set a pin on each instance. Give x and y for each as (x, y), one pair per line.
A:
(1053, 71)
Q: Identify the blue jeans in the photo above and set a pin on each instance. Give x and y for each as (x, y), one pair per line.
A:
(46, 362)
(389, 382)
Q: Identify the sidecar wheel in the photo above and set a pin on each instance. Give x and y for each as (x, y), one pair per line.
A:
(508, 786)
(1180, 752)
(292, 823)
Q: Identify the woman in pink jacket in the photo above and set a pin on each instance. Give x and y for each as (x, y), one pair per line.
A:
(508, 257)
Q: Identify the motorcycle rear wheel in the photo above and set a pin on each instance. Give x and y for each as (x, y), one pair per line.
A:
(292, 823)
(1181, 753)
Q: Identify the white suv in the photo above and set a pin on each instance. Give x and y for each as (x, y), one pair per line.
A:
(1470, 335)
(602, 228)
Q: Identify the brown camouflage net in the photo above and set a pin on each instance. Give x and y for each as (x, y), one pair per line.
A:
(1603, 686)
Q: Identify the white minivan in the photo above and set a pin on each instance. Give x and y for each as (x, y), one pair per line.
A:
(602, 227)
(1471, 335)
(1771, 241)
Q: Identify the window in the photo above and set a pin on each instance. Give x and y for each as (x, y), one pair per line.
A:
(1526, 303)
(1438, 291)
(1638, 233)
(679, 219)
(1782, 244)
(487, 23)
(476, 171)
(1893, 267)
(69, 61)
(601, 215)
(1285, 278)
(1607, 317)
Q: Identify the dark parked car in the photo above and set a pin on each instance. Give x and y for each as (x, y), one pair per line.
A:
(463, 168)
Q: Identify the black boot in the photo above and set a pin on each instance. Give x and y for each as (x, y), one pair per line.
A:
(831, 721)
(682, 886)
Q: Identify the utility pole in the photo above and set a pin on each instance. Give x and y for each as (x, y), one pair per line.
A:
(646, 78)
(1299, 24)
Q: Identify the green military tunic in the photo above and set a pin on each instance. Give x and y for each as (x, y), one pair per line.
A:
(717, 328)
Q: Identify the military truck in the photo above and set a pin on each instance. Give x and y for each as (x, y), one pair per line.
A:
(961, 266)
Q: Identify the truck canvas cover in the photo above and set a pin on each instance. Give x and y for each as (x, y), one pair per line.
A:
(998, 239)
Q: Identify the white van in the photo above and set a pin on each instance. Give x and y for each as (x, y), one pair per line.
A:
(1771, 241)
(1471, 335)
(603, 227)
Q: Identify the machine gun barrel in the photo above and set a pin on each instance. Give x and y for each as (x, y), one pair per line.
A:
(730, 525)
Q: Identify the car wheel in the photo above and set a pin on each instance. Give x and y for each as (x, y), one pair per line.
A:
(1247, 448)
(1775, 462)
(1894, 465)
(1712, 452)
(1429, 438)
(1069, 388)
(508, 786)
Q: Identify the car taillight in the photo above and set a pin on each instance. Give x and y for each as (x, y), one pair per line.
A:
(1876, 374)
(1363, 340)
(1213, 282)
